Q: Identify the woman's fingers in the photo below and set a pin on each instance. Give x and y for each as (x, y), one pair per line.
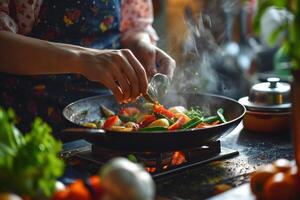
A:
(129, 72)
(139, 71)
(114, 87)
(121, 80)
(118, 70)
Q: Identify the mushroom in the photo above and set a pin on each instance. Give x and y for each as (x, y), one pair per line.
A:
(125, 180)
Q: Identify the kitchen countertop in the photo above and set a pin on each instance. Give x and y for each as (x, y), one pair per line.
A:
(255, 149)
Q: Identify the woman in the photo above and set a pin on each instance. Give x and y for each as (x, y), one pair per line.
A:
(79, 41)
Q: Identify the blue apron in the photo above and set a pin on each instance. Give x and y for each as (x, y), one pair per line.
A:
(89, 23)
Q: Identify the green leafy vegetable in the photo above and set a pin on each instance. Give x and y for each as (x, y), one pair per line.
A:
(28, 163)
(194, 112)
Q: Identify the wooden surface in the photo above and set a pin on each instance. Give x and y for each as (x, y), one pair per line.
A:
(242, 192)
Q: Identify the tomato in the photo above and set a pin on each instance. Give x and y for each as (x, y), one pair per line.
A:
(159, 109)
(129, 111)
(96, 186)
(281, 186)
(282, 165)
(260, 177)
(111, 121)
(78, 191)
(178, 124)
(61, 194)
(148, 119)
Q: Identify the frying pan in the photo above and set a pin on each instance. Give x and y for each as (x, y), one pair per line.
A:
(88, 109)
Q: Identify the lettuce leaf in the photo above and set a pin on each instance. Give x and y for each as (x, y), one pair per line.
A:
(29, 164)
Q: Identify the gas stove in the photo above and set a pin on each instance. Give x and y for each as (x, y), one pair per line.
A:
(88, 159)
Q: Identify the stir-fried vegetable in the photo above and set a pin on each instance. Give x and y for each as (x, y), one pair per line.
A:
(160, 122)
(220, 113)
(178, 124)
(192, 123)
(155, 117)
(111, 121)
(159, 109)
(147, 119)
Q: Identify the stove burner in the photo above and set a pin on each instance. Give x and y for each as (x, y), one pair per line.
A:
(157, 163)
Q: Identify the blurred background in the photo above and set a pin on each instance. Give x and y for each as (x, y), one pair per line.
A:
(215, 47)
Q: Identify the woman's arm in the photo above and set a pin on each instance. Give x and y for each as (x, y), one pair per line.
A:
(139, 36)
(118, 70)
(28, 56)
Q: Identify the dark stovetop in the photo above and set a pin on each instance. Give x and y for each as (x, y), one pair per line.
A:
(254, 149)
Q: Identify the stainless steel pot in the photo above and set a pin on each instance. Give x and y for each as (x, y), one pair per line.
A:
(268, 106)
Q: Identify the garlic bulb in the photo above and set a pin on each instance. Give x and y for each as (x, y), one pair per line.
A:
(125, 180)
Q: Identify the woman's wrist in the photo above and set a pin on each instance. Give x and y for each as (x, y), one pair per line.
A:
(72, 59)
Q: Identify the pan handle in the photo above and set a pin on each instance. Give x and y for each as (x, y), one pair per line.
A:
(69, 134)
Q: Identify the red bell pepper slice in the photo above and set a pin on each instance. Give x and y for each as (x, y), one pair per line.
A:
(159, 109)
(215, 122)
(203, 125)
(178, 124)
(148, 119)
(111, 121)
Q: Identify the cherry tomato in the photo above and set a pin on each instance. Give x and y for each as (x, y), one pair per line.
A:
(96, 186)
(282, 165)
(281, 186)
(260, 177)
(78, 191)
(61, 194)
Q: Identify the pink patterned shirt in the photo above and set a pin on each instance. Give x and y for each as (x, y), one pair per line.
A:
(19, 16)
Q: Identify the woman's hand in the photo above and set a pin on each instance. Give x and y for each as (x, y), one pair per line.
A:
(153, 59)
(118, 70)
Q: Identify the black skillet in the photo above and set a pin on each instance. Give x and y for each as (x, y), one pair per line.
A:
(87, 110)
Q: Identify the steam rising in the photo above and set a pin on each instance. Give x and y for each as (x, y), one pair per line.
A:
(211, 60)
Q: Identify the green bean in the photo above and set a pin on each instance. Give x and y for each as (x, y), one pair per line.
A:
(211, 119)
(192, 123)
(220, 113)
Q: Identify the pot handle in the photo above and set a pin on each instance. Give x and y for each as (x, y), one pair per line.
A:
(69, 134)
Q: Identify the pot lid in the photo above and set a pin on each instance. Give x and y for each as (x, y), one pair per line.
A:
(272, 95)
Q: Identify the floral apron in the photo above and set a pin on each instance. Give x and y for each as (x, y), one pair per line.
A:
(89, 23)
